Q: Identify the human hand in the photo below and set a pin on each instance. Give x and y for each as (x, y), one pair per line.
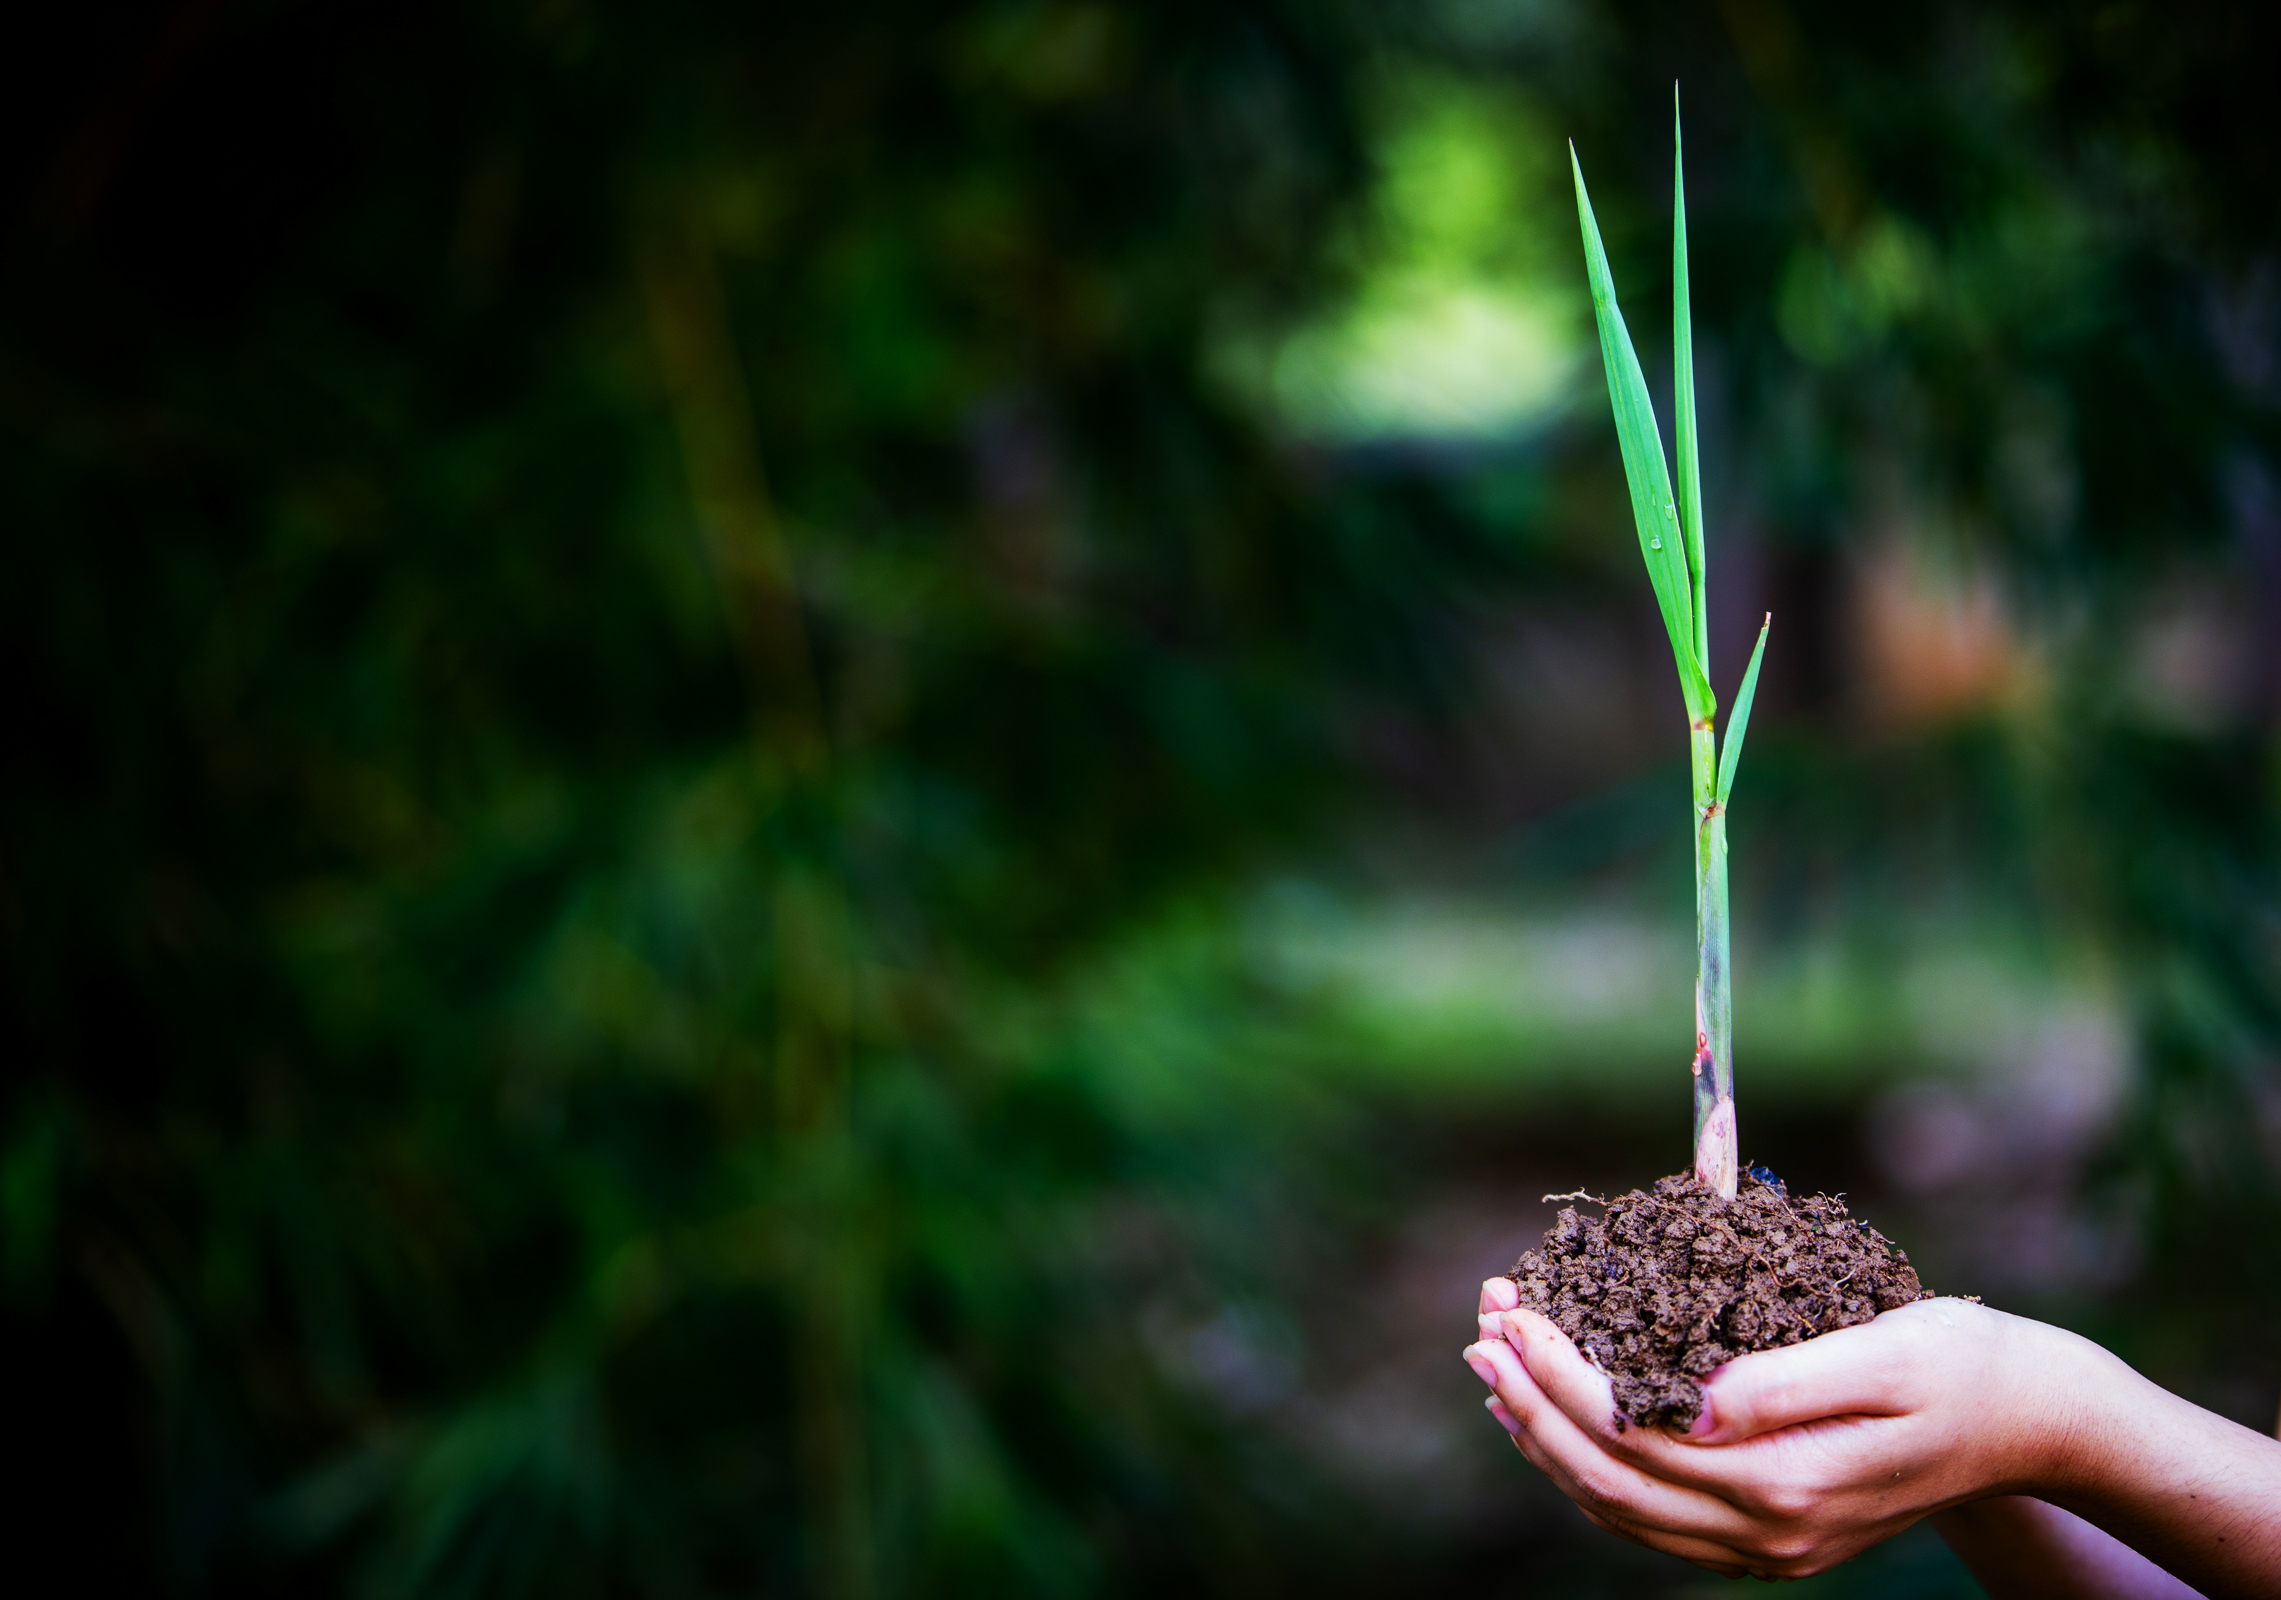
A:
(1804, 1456)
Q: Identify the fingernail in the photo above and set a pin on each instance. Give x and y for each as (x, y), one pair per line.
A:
(1704, 1424)
(1505, 1419)
(1491, 1327)
(1481, 1368)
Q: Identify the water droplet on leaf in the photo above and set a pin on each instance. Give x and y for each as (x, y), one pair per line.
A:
(1655, 544)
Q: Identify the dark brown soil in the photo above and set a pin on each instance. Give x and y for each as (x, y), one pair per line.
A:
(1667, 1287)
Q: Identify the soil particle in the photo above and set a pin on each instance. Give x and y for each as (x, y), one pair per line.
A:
(1667, 1287)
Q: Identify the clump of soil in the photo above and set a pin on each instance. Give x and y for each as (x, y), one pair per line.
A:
(1665, 1288)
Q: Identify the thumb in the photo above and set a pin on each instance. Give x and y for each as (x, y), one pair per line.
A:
(1860, 1371)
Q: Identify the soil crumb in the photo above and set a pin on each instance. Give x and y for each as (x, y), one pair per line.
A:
(1667, 1287)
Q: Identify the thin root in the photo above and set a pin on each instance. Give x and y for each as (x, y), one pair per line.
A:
(1576, 1194)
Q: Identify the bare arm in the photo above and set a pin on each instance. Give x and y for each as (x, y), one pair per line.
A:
(2023, 1549)
(1808, 1455)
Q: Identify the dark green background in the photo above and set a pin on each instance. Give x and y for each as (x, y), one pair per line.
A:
(664, 717)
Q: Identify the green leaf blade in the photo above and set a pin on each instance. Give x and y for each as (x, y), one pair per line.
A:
(1738, 721)
(1654, 512)
(1689, 464)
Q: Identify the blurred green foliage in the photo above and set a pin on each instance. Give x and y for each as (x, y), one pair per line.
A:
(654, 653)
(609, 591)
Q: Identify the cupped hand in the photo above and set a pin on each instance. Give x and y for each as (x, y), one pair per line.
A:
(1804, 1456)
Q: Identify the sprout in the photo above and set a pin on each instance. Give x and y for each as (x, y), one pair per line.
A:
(1671, 541)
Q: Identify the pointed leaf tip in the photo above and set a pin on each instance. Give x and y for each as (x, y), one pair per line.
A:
(1738, 721)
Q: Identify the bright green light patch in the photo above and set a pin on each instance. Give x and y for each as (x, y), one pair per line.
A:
(1459, 322)
(1425, 358)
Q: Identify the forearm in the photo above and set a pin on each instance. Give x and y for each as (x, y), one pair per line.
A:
(2194, 1493)
(2023, 1549)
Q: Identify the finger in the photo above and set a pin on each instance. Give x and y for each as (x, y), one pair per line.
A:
(1642, 1506)
(1706, 1553)
(1703, 1552)
(1537, 1456)
(1583, 1392)
(1497, 1295)
(1709, 1553)
(1559, 1369)
(1860, 1371)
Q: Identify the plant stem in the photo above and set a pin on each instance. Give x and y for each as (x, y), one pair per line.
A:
(1717, 1150)
(1669, 520)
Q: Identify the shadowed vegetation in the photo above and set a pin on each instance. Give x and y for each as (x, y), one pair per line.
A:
(783, 785)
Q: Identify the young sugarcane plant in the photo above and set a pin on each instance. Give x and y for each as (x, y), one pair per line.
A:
(1671, 540)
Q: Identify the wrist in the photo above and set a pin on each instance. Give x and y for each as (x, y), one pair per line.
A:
(2081, 1403)
(2041, 1409)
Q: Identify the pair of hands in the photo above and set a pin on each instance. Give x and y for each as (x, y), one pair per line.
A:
(1803, 1456)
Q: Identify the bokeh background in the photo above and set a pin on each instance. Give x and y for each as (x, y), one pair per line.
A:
(843, 801)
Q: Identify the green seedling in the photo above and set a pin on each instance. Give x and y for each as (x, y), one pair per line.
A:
(1671, 540)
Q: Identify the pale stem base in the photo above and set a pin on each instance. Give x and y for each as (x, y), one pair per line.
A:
(1718, 1150)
